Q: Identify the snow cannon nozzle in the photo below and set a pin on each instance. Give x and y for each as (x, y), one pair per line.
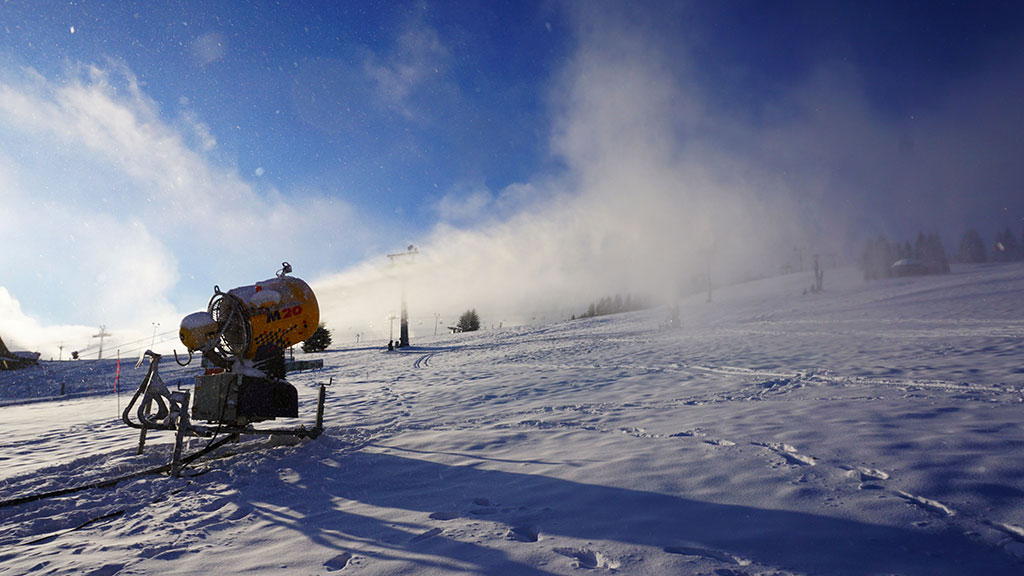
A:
(198, 331)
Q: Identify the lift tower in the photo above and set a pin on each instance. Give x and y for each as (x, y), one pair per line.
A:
(408, 256)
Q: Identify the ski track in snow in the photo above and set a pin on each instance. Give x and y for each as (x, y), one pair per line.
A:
(554, 449)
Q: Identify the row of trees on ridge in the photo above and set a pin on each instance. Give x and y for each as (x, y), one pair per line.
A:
(882, 259)
(1006, 248)
(614, 305)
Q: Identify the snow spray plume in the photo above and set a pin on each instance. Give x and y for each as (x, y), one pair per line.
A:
(645, 209)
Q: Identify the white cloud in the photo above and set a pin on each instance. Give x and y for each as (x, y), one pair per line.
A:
(22, 332)
(418, 58)
(465, 208)
(202, 136)
(112, 207)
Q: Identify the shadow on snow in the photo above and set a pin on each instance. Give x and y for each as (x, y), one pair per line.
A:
(327, 505)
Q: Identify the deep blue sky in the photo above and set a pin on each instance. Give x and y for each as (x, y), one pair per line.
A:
(283, 88)
(908, 51)
(205, 142)
(484, 118)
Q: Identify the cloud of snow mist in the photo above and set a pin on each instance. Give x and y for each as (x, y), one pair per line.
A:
(948, 166)
(646, 208)
(664, 184)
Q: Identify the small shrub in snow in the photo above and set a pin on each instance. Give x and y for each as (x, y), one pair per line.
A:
(469, 321)
(319, 341)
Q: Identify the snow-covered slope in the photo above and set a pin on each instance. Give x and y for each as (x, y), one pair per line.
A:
(870, 429)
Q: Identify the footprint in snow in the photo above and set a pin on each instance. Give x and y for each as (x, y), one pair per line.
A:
(869, 478)
(637, 432)
(486, 507)
(107, 570)
(788, 453)
(426, 535)
(706, 553)
(1016, 532)
(865, 474)
(719, 442)
(589, 559)
(338, 562)
(524, 533)
(289, 476)
(1014, 548)
(444, 515)
(926, 503)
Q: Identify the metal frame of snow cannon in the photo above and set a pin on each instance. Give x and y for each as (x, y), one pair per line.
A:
(244, 333)
(163, 409)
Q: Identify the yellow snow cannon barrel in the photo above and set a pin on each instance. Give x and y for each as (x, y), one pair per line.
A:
(253, 322)
(282, 312)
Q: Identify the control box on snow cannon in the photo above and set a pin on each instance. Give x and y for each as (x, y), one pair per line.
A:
(237, 399)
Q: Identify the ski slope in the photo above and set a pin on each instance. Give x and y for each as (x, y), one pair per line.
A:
(874, 428)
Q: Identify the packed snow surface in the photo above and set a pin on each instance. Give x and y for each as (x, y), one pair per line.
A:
(874, 428)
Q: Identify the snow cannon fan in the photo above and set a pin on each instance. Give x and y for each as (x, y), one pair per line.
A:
(242, 336)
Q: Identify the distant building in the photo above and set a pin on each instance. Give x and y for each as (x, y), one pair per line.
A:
(14, 360)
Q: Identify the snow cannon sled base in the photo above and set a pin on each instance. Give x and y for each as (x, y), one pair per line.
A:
(163, 409)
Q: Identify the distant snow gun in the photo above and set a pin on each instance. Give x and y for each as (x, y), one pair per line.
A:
(242, 337)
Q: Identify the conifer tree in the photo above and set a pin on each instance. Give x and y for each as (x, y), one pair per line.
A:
(319, 341)
(932, 253)
(972, 248)
(469, 321)
(877, 258)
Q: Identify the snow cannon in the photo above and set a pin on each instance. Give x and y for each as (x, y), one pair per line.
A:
(242, 335)
(253, 323)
